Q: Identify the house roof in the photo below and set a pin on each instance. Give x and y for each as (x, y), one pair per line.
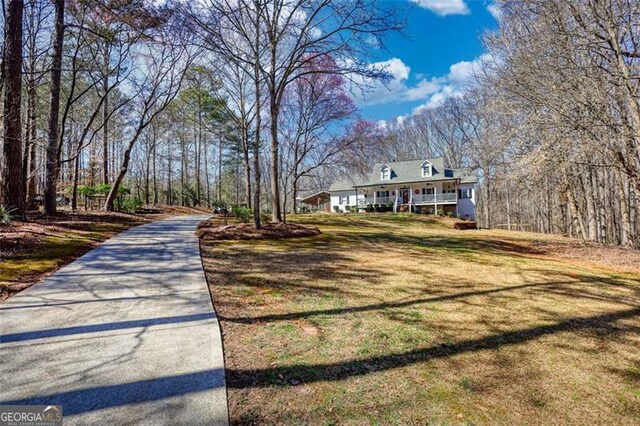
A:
(410, 171)
(345, 184)
(318, 197)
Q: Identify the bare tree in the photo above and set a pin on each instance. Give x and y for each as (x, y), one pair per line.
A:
(53, 150)
(12, 176)
(164, 67)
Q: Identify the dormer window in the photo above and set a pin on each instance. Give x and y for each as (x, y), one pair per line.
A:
(426, 169)
(385, 173)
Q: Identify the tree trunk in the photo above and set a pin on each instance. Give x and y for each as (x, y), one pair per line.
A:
(575, 214)
(12, 173)
(275, 161)
(54, 110)
(585, 178)
(31, 143)
(105, 115)
(74, 191)
(147, 173)
(627, 238)
(198, 155)
(206, 174)
(169, 176)
(155, 181)
(256, 146)
(108, 205)
(219, 182)
(247, 163)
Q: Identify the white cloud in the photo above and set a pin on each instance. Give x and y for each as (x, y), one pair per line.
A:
(379, 92)
(433, 91)
(423, 89)
(462, 73)
(460, 77)
(444, 7)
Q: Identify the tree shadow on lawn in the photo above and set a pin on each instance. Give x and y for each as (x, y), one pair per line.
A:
(308, 373)
(462, 244)
(287, 271)
(387, 305)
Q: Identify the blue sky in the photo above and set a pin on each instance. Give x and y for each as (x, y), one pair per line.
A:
(434, 60)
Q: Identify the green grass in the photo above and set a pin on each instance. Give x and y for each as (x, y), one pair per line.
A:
(399, 319)
(51, 253)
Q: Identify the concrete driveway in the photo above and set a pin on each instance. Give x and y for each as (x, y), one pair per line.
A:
(126, 334)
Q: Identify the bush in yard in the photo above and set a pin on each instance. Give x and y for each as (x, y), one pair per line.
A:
(131, 205)
(369, 208)
(242, 214)
(347, 208)
(6, 215)
(219, 204)
(83, 190)
(336, 209)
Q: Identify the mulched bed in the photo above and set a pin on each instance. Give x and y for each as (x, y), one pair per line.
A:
(210, 230)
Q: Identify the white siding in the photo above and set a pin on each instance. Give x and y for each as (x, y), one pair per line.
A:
(467, 206)
(337, 195)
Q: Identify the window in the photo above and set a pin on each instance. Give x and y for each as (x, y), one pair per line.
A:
(466, 193)
(344, 199)
(382, 194)
(385, 173)
(427, 191)
(426, 170)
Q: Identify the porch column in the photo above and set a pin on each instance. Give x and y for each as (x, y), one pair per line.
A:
(435, 198)
(395, 205)
(357, 202)
(457, 212)
(410, 199)
(374, 195)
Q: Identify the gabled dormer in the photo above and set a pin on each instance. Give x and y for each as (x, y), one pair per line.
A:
(385, 172)
(426, 169)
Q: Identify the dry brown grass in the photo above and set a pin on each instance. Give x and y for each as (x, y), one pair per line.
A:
(396, 320)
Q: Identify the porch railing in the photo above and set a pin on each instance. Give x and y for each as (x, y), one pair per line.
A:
(433, 198)
(379, 200)
(417, 199)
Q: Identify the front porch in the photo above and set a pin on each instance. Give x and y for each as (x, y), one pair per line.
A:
(423, 197)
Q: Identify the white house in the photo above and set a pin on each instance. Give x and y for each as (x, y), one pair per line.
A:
(420, 186)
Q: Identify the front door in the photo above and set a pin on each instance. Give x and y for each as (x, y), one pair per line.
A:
(404, 193)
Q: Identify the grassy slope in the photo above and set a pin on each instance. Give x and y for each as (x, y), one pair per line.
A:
(397, 320)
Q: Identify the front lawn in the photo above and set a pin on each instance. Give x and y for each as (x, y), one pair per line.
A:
(393, 319)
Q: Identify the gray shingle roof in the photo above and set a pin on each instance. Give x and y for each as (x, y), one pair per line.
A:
(411, 171)
(408, 171)
(345, 184)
